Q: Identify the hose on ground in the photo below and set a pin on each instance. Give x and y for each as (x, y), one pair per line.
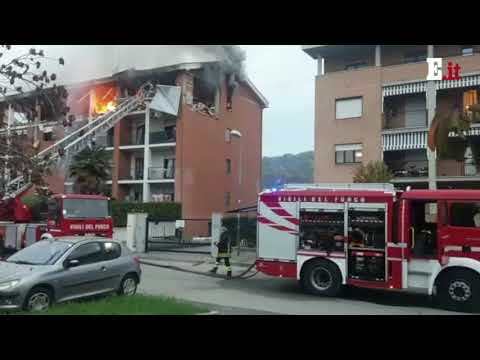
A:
(176, 268)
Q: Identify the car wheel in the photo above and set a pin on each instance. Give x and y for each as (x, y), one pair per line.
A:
(38, 299)
(459, 290)
(322, 277)
(128, 286)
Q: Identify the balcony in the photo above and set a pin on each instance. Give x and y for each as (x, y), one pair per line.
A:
(137, 176)
(407, 170)
(163, 137)
(160, 173)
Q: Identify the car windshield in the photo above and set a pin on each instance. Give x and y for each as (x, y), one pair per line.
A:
(45, 252)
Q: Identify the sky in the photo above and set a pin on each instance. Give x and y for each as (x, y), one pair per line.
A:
(285, 75)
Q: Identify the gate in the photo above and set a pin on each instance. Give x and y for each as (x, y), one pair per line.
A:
(242, 226)
(183, 236)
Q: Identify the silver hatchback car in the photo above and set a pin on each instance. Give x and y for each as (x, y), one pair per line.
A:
(66, 268)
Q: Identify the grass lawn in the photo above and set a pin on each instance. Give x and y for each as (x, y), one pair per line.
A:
(126, 305)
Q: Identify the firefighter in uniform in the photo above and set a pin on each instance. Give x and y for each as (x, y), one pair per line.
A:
(224, 252)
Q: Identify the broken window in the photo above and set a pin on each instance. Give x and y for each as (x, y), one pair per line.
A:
(205, 91)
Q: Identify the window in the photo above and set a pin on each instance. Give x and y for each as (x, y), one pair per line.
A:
(464, 214)
(228, 137)
(45, 252)
(112, 250)
(348, 154)
(227, 198)
(415, 56)
(355, 65)
(88, 254)
(467, 50)
(348, 108)
(228, 166)
(470, 98)
(83, 208)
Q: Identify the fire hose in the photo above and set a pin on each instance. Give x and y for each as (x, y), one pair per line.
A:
(176, 268)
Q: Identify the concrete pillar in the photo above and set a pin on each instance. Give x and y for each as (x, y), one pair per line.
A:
(116, 159)
(430, 51)
(378, 55)
(431, 100)
(320, 66)
(146, 156)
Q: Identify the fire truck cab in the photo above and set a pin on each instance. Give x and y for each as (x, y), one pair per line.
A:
(369, 235)
(75, 214)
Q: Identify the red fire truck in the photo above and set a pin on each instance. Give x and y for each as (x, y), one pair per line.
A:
(372, 236)
(68, 214)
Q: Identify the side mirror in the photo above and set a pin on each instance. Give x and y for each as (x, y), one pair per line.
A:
(71, 263)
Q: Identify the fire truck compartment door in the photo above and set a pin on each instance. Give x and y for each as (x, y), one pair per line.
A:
(278, 230)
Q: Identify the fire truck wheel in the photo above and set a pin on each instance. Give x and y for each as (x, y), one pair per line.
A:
(322, 277)
(459, 290)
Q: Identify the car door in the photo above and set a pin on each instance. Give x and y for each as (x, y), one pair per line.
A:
(87, 278)
(460, 236)
(115, 267)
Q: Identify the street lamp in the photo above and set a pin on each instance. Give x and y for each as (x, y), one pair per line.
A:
(237, 134)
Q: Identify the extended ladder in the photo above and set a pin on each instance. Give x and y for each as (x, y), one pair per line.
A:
(79, 139)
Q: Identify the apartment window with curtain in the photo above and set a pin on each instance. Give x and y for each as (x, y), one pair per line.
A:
(228, 136)
(348, 108)
(470, 97)
(348, 154)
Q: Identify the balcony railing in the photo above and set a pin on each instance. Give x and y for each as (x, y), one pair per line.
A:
(404, 139)
(136, 176)
(159, 173)
(161, 137)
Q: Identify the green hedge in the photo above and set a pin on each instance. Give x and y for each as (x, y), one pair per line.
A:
(120, 209)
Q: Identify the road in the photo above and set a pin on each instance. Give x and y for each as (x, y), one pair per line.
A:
(266, 295)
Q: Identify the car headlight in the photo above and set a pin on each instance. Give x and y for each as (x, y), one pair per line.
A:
(8, 284)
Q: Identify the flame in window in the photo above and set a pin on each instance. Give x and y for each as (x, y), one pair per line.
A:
(104, 98)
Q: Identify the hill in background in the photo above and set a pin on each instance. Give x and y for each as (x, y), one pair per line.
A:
(288, 168)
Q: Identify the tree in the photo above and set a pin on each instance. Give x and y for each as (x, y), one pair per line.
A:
(27, 88)
(91, 168)
(372, 172)
(458, 122)
(288, 168)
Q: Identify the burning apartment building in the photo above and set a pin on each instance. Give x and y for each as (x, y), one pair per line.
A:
(196, 142)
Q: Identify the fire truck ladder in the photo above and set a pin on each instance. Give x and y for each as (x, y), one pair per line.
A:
(79, 139)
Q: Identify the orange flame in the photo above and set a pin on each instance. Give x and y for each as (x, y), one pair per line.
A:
(104, 99)
(103, 108)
